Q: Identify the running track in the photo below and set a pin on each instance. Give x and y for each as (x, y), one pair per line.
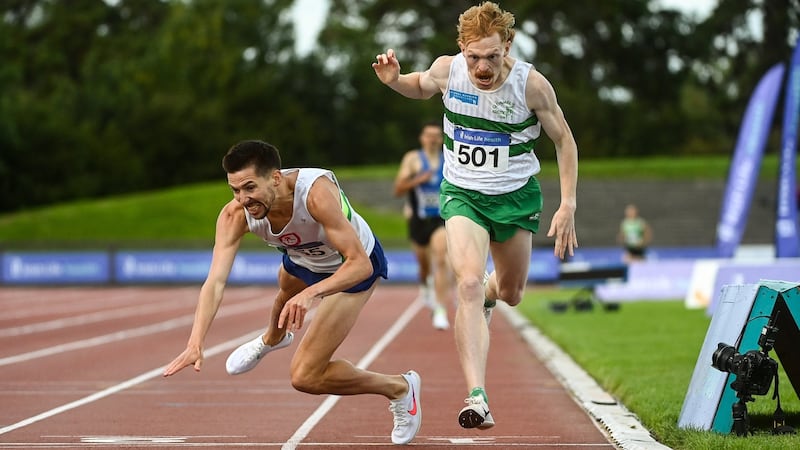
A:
(81, 368)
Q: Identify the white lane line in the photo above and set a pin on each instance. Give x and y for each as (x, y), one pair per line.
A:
(127, 334)
(373, 353)
(65, 303)
(94, 317)
(120, 387)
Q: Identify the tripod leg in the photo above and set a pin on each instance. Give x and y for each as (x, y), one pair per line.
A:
(741, 421)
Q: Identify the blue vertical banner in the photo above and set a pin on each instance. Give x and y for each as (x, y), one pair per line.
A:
(746, 161)
(786, 241)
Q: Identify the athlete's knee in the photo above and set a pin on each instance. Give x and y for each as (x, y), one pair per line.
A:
(304, 379)
(511, 294)
(306, 375)
(470, 288)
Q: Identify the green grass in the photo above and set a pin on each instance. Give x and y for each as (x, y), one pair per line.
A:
(644, 354)
(187, 212)
(177, 217)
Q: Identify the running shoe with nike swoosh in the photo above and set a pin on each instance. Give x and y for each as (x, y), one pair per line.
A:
(407, 411)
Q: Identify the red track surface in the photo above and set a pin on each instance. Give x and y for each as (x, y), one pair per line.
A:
(80, 368)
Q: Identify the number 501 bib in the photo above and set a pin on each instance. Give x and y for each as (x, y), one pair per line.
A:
(482, 150)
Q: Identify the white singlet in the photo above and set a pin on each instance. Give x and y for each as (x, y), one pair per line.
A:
(489, 135)
(303, 239)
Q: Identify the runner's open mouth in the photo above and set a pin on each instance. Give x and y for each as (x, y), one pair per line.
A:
(255, 207)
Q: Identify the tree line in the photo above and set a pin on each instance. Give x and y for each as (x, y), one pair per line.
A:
(104, 97)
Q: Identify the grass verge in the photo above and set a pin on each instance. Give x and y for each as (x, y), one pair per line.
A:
(179, 217)
(644, 354)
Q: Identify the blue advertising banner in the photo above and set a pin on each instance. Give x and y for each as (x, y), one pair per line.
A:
(730, 272)
(262, 267)
(786, 240)
(248, 267)
(545, 266)
(161, 266)
(55, 268)
(650, 280)
(402, 267)
(170, 266)
(746, 161)
(255, 268)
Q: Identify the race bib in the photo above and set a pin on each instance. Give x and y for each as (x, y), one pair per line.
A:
(482, 150)
(312, 250)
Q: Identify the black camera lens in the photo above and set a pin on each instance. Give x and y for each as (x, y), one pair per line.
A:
(722, 357)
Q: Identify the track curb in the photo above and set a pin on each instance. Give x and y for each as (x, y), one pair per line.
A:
(620, 425)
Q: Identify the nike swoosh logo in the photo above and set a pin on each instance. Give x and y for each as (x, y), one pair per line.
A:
(413, 411)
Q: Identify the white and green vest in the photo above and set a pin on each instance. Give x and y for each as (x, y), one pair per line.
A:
(489, 135)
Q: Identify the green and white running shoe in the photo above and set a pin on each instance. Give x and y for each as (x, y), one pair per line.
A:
(476, 414)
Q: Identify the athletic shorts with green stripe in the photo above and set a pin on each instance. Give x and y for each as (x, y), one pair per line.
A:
(500, 215)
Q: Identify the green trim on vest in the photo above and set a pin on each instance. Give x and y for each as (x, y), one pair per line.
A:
(490, 125)
(347, 210)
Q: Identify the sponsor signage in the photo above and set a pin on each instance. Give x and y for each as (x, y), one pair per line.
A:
(55, 267)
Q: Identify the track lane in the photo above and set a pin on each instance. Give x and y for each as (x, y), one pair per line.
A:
(213, 409)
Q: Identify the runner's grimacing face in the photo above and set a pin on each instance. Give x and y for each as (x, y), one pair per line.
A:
(256, 193)
(485, 60)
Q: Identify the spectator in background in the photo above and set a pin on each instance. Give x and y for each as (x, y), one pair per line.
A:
(634, 235)
(419, 176)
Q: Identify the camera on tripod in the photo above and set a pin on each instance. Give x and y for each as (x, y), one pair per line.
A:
(754, 371)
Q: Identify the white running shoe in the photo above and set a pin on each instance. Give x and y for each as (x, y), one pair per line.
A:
(425, 295)
(440, 321)
(407, 411)
(488, 305)
(246, 357)
(476, 414)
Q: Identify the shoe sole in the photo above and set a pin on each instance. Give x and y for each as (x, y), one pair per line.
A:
(470, 419)
(485, 425)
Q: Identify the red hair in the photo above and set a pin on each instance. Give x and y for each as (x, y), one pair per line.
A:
(483, 21)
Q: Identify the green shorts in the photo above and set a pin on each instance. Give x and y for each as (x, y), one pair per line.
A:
(500, 215)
